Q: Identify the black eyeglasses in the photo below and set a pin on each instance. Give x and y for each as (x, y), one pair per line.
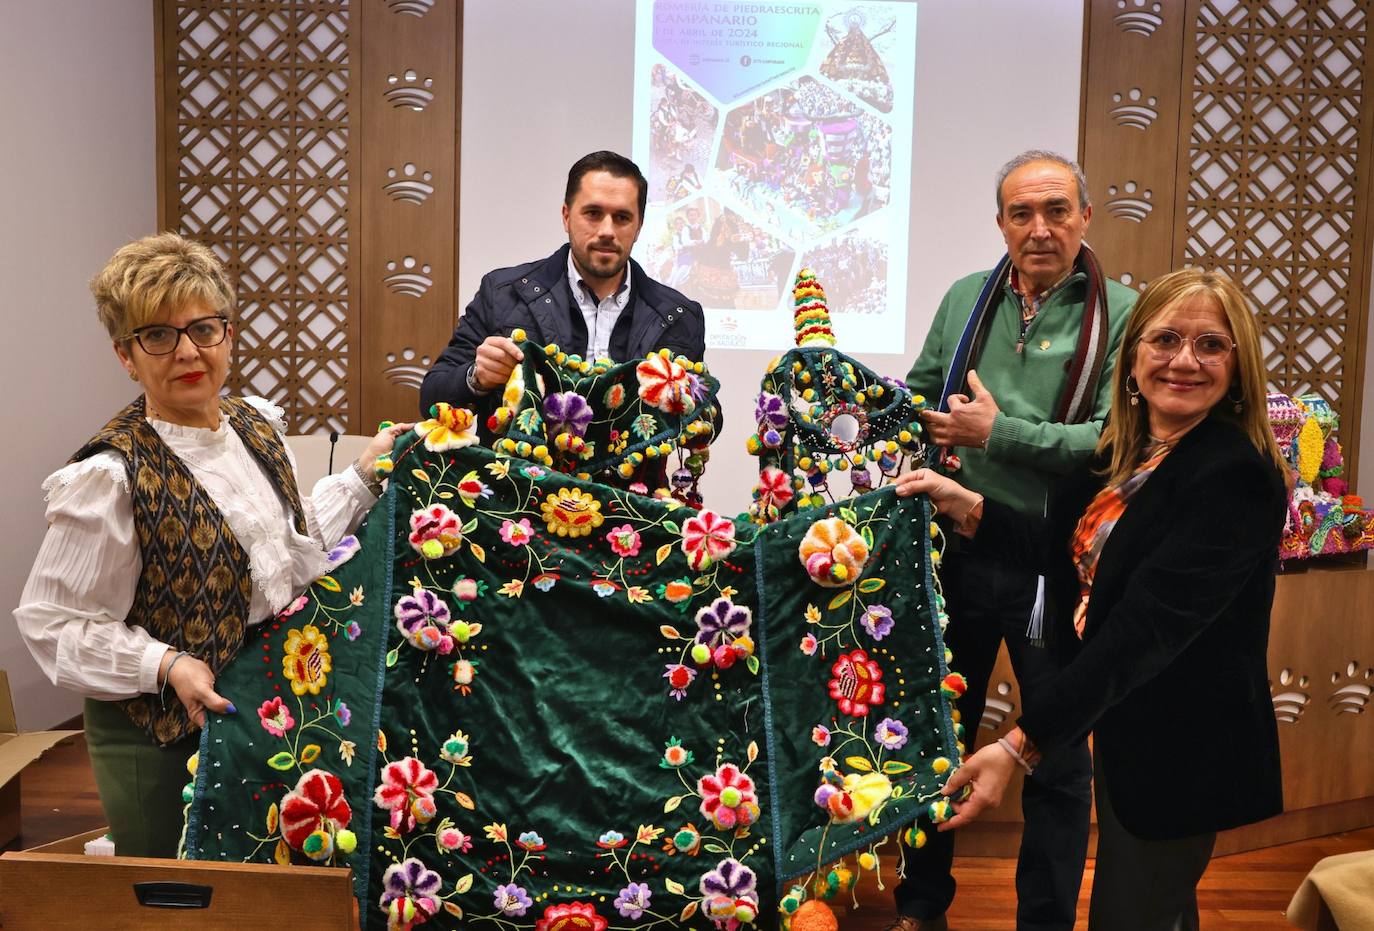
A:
(159, 339)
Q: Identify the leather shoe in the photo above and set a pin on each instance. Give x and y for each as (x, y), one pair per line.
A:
(908, 923)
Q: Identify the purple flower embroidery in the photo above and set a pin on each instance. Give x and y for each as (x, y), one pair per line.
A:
(568, 411)
(770, 411)
(343, 551)
(410, 880)
(512, 900)
(877, 620)
(722, 623)
(721, 888)
(633, 900)
(891, 733)
(343, 713)
(423, 618)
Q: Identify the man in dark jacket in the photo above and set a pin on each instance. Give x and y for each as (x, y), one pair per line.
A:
(589, 297)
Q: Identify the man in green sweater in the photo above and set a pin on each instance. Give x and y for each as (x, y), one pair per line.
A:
(1019, 359)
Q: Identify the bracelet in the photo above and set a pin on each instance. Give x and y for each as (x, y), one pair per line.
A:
(1015, 754)
(167, 677)
(368, 478)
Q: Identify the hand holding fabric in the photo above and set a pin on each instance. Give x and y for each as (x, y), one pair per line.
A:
(194, 683)
(987, 772)
(497, 357)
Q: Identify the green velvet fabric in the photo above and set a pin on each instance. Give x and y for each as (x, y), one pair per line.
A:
(498, 711)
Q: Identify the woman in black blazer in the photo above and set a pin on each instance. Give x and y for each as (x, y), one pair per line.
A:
(1159, 560)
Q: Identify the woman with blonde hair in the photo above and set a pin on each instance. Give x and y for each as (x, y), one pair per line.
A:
(1159, 560)
(171, 532)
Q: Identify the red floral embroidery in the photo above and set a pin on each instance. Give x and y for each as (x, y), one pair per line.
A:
(857, 684)
(574, 916)
(728, 798)
(317, 801)
(408, 790)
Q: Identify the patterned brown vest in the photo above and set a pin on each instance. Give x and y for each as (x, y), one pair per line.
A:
(196, 584)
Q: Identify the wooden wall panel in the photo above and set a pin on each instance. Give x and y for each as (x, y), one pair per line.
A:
(408, 99)
(1260, 163)
(1129, 141)
(313, 145)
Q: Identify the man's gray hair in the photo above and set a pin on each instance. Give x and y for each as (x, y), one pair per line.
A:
(1044, 155)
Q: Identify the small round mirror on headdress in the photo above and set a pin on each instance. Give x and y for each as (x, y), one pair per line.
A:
(846, 429)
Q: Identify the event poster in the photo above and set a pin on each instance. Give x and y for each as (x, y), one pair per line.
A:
(777, 136)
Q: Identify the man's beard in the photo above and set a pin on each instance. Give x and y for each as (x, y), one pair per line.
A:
(592, 270)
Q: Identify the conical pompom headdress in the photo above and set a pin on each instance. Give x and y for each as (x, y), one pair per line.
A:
(811, 315)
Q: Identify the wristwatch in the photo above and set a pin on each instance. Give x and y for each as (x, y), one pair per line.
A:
(473, 385)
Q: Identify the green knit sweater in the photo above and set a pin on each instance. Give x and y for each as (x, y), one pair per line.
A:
(1024, 454)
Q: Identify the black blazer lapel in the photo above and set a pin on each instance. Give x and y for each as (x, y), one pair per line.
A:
(545, 292)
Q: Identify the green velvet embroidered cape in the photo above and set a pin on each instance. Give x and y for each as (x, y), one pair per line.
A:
(523, 699)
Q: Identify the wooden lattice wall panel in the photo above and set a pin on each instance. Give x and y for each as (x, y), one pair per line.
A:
(255, 130)
(313, 144)
(1239, 135)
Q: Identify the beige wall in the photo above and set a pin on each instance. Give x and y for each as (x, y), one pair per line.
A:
(76, 181)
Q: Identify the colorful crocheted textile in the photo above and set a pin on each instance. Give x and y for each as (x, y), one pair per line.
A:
(1322, 518)
(524, 698)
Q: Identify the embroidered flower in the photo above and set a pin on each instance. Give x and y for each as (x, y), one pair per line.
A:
(813, 614)
(294, 606)
(571, 512)
(809, 644)
(633, 900)
(615, 396)
(611, 840)
(567, 411)
(275, 717)
(644, 426)
(545, 581)
(316, 804)
(574, 916)
(675, 755)
(423, 618)
(833, 553)
(455, 749)
(435, 532)
(679, 677)
(517, 534)
(347, 750)
(448, 428)
(306, 661)
(464, 671)
(706, 538)
(604, 588)
(512, 900)
(877, 620)
(727, 889)
(470, 488)
(624, 540)
(770, 412)
(663, 385)
(774, 488)
(355, 597)
(530, 840)
(677, 592)
(408, 894)
(342, 552)
(450, 839)
(343, 713)
(685, 840)
(638, 595)
(515, 387)
(466, 589)
(512, 589)
(728, 798)
(891, 733)
(857, 683)
(725, 624)
(535, 473)
(407, 791)
(820, 735)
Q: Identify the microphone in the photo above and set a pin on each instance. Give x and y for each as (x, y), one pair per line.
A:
(333, 441)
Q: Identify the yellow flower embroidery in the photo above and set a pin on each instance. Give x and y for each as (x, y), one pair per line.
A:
(307, 663)
(571, 512)
(449, 428)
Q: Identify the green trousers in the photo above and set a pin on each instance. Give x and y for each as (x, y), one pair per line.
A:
(140, 783)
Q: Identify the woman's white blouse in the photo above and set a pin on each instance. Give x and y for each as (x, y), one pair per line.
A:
(83, 582)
